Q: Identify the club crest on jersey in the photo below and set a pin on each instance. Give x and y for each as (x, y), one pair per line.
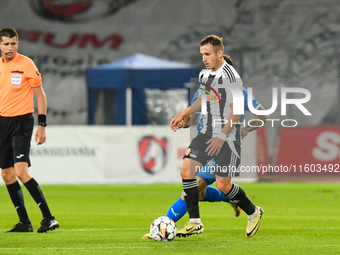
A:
(16, 79)
(191, 153)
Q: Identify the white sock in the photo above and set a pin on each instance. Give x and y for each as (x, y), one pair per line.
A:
(254, 212)
(196, 220)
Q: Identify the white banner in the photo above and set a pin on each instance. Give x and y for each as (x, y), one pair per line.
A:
(90, 155)
(116, 155)
(66, 37)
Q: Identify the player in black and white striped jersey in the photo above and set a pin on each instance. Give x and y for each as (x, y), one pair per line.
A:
(219, 81)
(219, 137)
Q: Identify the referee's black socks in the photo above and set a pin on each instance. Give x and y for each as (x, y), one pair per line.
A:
(191, 196)
(15, 192)
(238, 195)
(38, 196)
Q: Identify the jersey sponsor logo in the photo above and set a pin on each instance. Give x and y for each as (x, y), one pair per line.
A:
(77, 10)
(212, 97)
(153, 153)
(16, 79)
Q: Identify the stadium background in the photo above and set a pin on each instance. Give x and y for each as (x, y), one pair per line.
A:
(273, 44)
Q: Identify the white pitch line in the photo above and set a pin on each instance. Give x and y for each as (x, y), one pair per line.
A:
(226, 228)
(152, 247)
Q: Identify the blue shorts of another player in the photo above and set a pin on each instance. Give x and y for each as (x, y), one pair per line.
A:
(206, 174)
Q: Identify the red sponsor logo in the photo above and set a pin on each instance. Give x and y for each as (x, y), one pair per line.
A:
(77, 10)
(312, 152)
(153, 153)
(209, 98)
(317, 145)
(74, 40)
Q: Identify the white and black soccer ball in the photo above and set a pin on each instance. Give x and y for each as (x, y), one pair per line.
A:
(163, 229)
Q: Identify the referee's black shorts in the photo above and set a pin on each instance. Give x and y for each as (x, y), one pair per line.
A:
(15, 139)
(228, 160)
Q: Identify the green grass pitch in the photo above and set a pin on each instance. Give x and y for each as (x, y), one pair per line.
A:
(299, 218)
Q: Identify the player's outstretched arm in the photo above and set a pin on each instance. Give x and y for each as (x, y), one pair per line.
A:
(189, 120)
(177, 122)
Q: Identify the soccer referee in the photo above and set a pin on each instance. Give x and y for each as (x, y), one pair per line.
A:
(19, 79)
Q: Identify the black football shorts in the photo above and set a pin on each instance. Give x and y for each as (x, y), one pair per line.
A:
(15, 139)
(227, 162)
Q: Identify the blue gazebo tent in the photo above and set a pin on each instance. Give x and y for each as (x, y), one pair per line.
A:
(136, 72)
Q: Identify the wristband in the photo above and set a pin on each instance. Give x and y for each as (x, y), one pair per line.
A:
(222, 136)
(42, 120)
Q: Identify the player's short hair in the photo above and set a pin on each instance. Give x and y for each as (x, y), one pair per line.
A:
(215, 41)
(8, 32)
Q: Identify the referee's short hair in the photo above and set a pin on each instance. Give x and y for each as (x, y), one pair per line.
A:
(215, 41)
(8, 32)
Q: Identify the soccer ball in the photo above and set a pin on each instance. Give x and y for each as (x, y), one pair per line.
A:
(163, 229)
